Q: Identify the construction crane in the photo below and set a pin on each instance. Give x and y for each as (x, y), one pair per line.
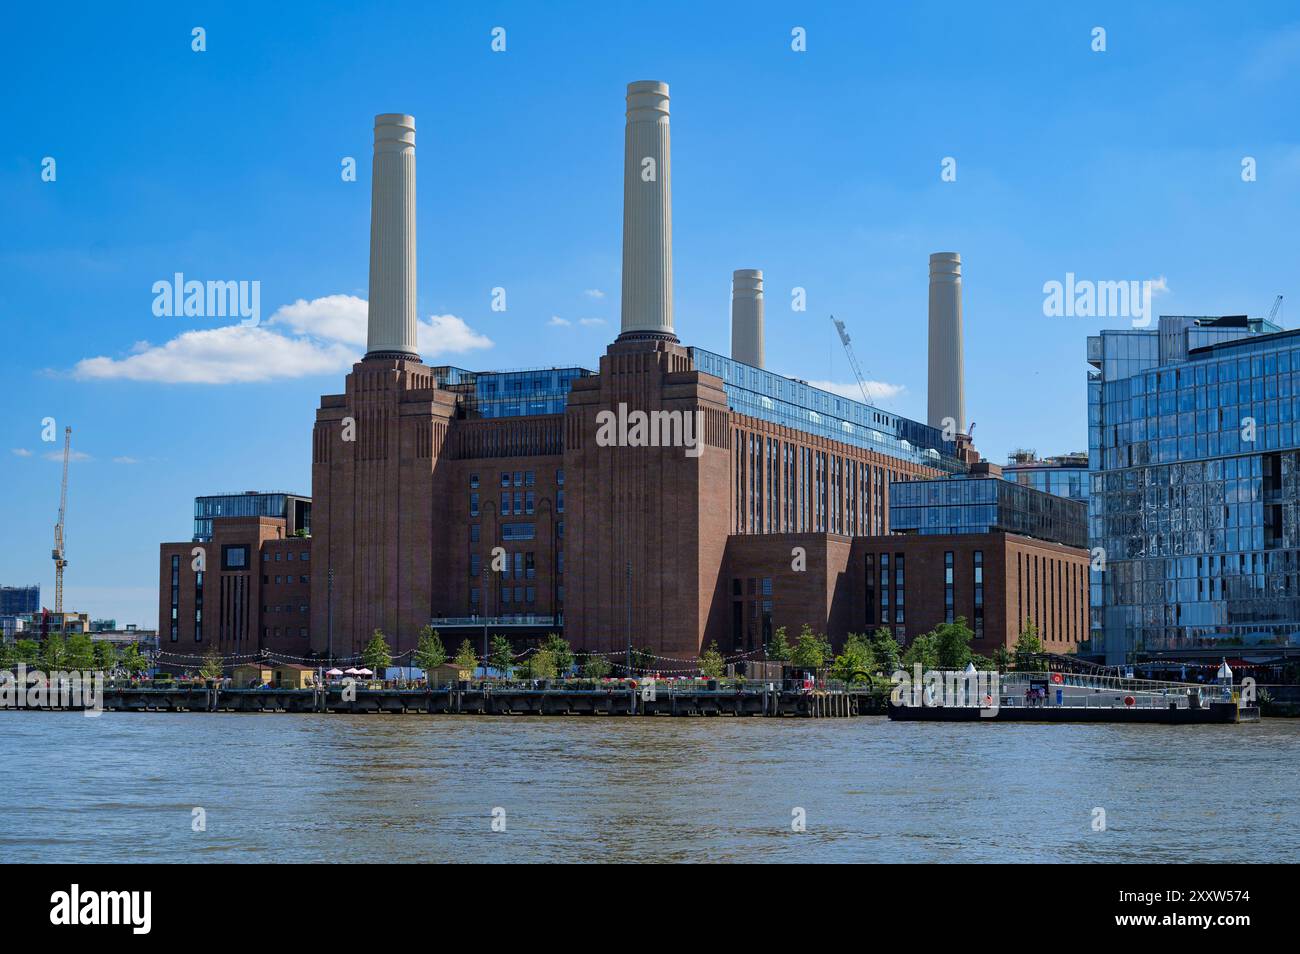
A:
(1277, 306)
(59, 561)
(853, 360)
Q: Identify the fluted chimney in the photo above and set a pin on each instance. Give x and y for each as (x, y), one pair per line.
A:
(747, 316)
(947, 386)
(647, 214)
(390, 330)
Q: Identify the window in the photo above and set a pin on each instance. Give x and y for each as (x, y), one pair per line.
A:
(898, 588)
(530, 478)
(530, 594)
(559, 501)
(475, 564)
(947, 587)
(505, 478)
(474, 531)
(530, 566)
(530, 502)
(473, 596)
(473, 481)
(473, 505)
(519, 478)
(304, 556)
(290, 554)
(198, 606)
(176, 596)
(519, 531)
(505, 504)
(559, 478)
(234, 557)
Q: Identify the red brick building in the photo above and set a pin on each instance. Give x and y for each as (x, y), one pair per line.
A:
(728, 499)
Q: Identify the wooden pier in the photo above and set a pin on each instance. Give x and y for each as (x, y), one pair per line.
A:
(504, 700)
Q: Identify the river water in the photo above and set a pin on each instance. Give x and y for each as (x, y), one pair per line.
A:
(322, 788)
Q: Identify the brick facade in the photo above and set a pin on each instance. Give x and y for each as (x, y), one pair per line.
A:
(410, 500)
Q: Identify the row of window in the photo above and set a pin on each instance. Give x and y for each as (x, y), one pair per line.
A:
(517, 478)
(266, 579)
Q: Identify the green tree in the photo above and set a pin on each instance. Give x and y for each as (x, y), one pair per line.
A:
(888, 653)
(430, 653)
(857, 662)
(81, 652)
(712, 665)
(982, 663)
(501, 655)
(812, 651)
(106, 656)
(542, 664)
(922, 650)
(466, 658)
(1028, 645)
(214, 666)
(132, 660)
(596, 667)
(561, 654)
(377, 655)
(27, 651)
(643, 661)
(778, 647)
(952, 644)
(1001, 659)
(54, 653)
(8, 655)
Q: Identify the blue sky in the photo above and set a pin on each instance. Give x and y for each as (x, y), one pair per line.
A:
(820, 167)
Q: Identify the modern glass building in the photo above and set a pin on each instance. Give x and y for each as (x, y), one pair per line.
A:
(1065, 476)
(981, 503)
(20, 600)
(295, 508)
(1194, 446)
(493, 394)
(797, 404)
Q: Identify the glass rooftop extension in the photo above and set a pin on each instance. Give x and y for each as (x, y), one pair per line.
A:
(781, 400)
(493, 394)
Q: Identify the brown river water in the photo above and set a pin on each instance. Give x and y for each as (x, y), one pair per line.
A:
(333, 788)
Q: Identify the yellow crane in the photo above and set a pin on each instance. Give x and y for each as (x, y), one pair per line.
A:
(59, 561)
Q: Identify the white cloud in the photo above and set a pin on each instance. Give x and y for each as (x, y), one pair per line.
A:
(878, 390)
(558, 322)
(22, 452)
(74, 456)
(594, 293)
(232, 353)
(1159, 286)
(125, 460)
(590, 322)
(322, 336)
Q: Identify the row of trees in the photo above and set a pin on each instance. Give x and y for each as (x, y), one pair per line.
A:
(947, 646)
(76, 652)
(553, 658)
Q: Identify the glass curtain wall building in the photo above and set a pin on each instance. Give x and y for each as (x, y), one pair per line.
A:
(797, 404)
(1065, 476)
(982, 504)
(295, 508)
(1194, 447)
(494, 394)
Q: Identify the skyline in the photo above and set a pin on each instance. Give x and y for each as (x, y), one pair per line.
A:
(855, 230)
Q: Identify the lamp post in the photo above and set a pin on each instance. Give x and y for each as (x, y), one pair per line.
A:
(329, 616)
(628, 593)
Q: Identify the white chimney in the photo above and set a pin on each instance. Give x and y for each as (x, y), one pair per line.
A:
(391, 324)
(647, 213)
(947, 386)
(747, 316)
